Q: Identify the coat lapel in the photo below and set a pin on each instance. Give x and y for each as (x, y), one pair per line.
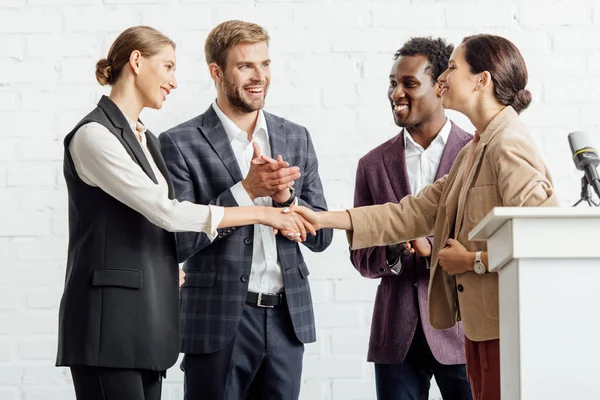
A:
(495, 124)
(117, 118)
(394, 161)
(451, 149)
(277, 136)
(153, 146)
(213, 131)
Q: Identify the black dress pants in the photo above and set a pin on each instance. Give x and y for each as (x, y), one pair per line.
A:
(99, 383)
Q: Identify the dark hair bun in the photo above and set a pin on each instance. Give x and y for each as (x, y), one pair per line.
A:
(104, 72)
(522, 100)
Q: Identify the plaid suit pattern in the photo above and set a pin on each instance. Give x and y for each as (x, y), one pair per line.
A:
(203, 168)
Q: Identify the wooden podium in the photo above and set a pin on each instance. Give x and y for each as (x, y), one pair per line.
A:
(548, 261)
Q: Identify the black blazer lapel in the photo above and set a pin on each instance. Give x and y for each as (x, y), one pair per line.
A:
(215, 134)
(117, 118)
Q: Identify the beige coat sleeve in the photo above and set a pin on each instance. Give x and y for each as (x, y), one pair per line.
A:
(392, 223)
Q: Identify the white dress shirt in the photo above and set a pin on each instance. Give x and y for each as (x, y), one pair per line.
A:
(102, 161)
(265, 272)
(422, 165)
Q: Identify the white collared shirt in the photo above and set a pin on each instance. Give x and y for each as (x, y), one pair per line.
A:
(422, 165)
(102, 161)
(265, 273)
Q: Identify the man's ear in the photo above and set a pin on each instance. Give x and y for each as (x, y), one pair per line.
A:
(216, 73)
(438, 89)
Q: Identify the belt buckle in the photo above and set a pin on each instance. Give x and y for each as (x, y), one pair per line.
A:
(259, 302)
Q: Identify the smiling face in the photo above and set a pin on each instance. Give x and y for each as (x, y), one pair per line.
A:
(156, 77)
(413, 94)
(458, 83)
(245, 77)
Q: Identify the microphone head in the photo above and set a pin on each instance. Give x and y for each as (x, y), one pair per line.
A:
(582, 150)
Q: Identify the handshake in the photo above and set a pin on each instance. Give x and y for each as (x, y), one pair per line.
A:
(268, 177)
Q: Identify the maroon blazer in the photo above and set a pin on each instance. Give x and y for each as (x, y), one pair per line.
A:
(381, 177)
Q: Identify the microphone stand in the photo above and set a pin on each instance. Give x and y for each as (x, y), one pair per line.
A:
(585, 194)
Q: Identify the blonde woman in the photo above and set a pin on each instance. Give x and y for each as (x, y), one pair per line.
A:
(119, 314)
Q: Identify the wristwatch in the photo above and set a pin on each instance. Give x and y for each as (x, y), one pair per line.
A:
(289, 201)
(478, 265)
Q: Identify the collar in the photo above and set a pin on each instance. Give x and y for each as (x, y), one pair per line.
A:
(442, 134)
(507, 114)
(232, 130)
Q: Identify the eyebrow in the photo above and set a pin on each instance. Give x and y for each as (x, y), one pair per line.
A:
(268, 60)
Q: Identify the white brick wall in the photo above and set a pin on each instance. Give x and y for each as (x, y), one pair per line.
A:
(331, 59)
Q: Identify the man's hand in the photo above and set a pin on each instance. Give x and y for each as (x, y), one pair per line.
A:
(455, 259)
(267, 178)
(421, 246)
(283, 195)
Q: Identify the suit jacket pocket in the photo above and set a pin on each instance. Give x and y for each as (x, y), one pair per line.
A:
(199, 279)
(304, 272)
(480, 201)
(119, 277)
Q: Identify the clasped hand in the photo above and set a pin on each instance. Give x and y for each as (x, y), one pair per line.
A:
(274, 178)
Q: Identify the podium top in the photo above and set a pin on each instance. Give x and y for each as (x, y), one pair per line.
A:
(499, 215)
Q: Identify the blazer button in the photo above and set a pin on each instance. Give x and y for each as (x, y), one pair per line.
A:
(247, 240)
(460, 287)
(244, 278)
(382, 270)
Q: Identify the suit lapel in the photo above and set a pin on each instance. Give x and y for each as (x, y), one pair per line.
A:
(394, 161)
(451, 149)
(213, 131)
(277, 136)
(494, 126)
(117, 118)
(153, 146)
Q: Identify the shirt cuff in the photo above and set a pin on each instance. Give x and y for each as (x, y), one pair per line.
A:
(216, 216)
(240, 195)
(396, 267)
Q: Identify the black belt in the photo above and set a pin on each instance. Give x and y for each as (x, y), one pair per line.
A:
(268, 300)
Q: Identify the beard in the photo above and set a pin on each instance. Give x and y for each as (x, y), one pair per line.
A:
(235, 96)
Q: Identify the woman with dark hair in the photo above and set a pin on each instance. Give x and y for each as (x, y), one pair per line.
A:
(119, 313)
(485, 80)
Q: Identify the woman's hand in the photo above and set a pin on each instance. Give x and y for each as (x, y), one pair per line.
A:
(303, 227)
(311, 217)
(455, 259)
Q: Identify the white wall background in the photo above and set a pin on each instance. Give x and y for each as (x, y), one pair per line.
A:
(331, 59)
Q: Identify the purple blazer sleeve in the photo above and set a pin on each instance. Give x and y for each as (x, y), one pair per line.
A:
(369, 262)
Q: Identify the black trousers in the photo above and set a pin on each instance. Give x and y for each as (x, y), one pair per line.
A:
(99, 383)
(262, 362)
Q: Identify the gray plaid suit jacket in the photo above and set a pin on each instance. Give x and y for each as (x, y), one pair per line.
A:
(203, 168)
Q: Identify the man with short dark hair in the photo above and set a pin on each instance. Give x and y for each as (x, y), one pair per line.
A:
(406, 350)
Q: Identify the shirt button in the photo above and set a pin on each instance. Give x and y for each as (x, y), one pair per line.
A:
(460, 287)
(244, 278)
(415, 284)
(248, 240)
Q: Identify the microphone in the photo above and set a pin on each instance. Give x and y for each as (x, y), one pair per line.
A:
(585, 158)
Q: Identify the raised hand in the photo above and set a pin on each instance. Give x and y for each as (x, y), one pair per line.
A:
(282, 195)
(266, 178)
